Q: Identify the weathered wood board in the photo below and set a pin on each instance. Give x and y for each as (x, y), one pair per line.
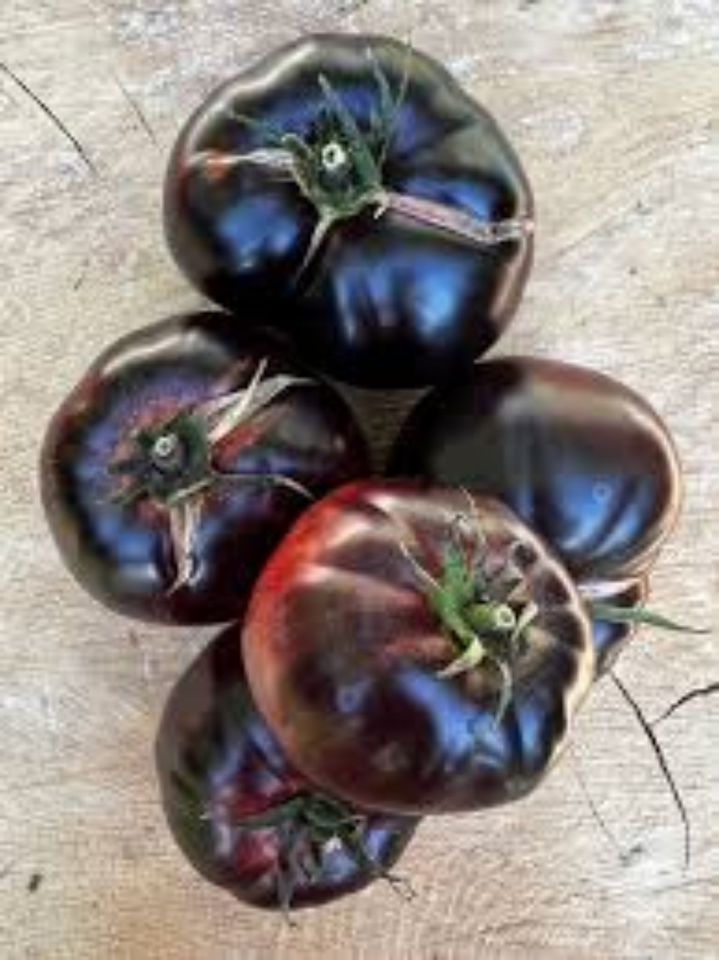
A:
(612, 106)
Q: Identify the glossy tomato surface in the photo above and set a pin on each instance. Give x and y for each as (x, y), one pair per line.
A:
(365, 649)
(581, 458)
(181, 458)
(245, 819)
(427, 209)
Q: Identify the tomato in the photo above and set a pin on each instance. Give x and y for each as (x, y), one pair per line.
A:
(181, 458)
(353, 177)
(582, 459)
(418, 651)
(244, 818)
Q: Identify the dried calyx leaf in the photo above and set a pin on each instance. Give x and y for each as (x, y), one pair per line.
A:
(184, 519)
(172, 463)
(483, 615)
(339, 165)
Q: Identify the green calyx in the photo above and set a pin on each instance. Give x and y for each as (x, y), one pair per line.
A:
(481, 615)
(480, 623)
(336, 169)
(170, 461)
(464, 608)
(307, 824)
(338, 165)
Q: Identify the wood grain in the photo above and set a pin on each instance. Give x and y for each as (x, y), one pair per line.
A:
(612, 106)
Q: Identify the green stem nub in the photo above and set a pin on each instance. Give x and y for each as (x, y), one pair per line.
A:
(169, 460)
(491, 617)
(334, 157)
(166, 453)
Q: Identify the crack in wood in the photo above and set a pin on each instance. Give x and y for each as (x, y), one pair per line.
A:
(54, 118)
(137, 110)
(695, 693)
(661, 760)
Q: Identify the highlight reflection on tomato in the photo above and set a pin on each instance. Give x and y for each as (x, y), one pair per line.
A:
(353, 178)
(581, 458)
(179, 461)
(245, 819)
(417, 650)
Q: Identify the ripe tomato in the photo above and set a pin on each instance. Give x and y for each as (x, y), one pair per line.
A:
(243, 817)
(417, 650)
(353, 177)
(579, 457)
(179, 461)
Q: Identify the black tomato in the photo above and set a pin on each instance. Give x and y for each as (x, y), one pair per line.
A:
(352, 176)
(419, 651)
(244, 818)
(582, 459)
(179, 461)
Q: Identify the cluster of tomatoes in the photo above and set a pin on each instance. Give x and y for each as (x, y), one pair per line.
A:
(402, 645)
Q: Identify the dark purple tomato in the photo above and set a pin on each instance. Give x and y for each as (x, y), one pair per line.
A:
(354, 178)
(244, 818)
(582, 459)
(179, 461)
(419, 651)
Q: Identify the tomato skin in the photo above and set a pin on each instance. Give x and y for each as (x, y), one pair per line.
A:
(342, 652)
(581, 458)
(122, 553)
(388, 302)
(218, 762)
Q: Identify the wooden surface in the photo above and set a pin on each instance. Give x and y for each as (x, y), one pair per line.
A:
(610, 104)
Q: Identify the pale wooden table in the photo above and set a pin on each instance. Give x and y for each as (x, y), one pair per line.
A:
(610, 105)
